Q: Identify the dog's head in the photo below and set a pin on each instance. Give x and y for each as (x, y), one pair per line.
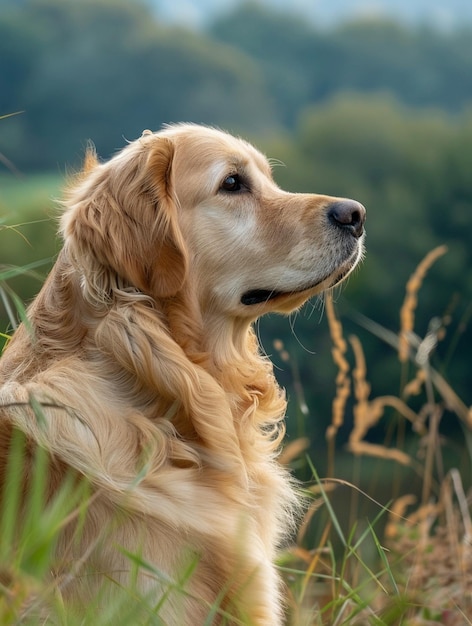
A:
(194, 206)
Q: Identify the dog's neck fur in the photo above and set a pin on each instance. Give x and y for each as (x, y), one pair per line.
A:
(254, 402)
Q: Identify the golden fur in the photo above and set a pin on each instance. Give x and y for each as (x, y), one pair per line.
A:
(142, 353)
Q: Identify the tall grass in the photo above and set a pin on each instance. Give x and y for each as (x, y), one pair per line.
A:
(409, 563)
(420, 570)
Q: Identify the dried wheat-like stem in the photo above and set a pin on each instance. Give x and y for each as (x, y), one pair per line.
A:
(407, 312)
(415, 386)
(452, 400)
(397, 514)
(433, 547)
(293, 450)
(463, 504)
(367, 413)
(433, 451)
(343, 383)
(312, 509)
(376, 450)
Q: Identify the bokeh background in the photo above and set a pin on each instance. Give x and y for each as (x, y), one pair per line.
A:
(367, 100)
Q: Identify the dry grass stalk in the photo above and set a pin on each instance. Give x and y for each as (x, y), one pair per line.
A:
(312, 509)
(434, 555)
(407, 312)
(293, 450)
(415, 386)
(397, 514)
(376, 450)
(454, 479)
(433, 451)
(317, 562)
(343, 383)
(317, 493)
(367, 413)
(451, 399)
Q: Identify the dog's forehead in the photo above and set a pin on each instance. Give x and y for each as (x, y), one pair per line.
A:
(217, 150)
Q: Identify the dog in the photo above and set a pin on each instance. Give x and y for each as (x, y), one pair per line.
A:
(141, 354)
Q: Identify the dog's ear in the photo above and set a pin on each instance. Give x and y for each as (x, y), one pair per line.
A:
(123, 215)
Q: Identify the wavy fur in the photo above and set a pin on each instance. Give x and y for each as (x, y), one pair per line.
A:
(150, 377)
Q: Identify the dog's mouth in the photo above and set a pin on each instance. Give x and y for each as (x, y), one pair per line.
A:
(253, 297)
(259, 296)
(256, 296)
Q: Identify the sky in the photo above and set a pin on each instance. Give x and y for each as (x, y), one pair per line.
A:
(443, 14)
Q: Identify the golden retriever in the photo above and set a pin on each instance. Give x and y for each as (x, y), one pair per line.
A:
(140, 350)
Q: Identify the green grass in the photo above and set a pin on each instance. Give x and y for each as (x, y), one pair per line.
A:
(27, 234)
(24, 195)
(28, 215)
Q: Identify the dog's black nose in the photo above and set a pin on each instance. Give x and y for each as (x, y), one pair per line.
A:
(348, 214)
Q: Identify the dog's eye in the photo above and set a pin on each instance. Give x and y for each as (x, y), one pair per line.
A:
(232, 183)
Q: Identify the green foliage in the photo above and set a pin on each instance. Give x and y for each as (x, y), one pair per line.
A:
(28, 241)
(30, 524)
(106, 70)
(304, 65)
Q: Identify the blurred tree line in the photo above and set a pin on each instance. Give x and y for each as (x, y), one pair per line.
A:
(106, 69)
(372, 110)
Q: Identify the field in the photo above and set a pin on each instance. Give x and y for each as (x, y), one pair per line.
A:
(27, 229)
(28, 194)
(406, 560)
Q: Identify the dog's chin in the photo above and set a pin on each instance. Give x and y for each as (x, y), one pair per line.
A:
(282, 300)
